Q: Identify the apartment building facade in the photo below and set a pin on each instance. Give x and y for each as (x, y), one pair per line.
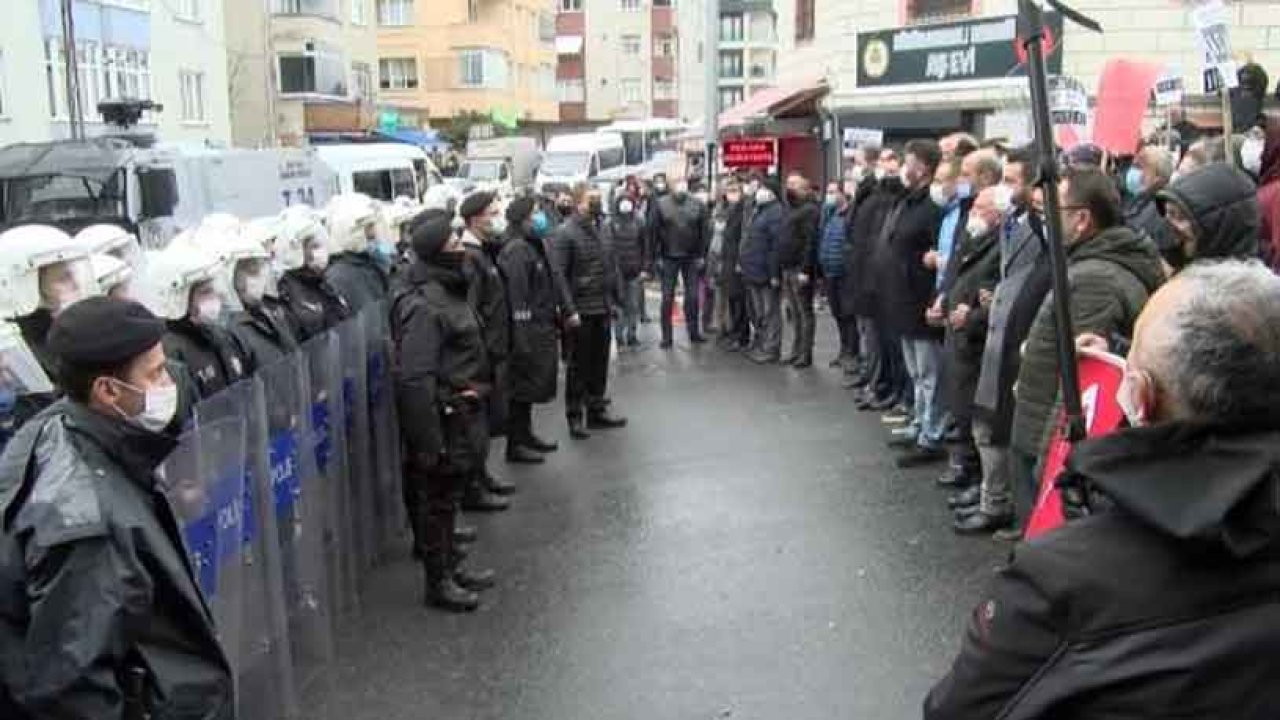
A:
(297, 67)
(617, 59)
(439, 58)
(745, 55)
(170, 52)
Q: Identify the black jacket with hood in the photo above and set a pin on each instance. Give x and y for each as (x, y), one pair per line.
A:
(1164, 605)
(1223, 206)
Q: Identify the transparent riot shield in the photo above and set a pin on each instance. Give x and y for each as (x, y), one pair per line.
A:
(385, 441)
(326, 443)
(360, 491)
(263, 664)
(297, 498)
(204, 479)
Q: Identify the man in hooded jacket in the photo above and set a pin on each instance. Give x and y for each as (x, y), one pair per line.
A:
(1212, 213)
(1163, 600)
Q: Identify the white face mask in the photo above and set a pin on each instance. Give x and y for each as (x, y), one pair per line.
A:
(938, 194)
(208, 311)
(625, 207)
(880, 173)
(851, 187)
(764, 196)
(159, 407)
(1004, 198)
(1133, 412)
(858, 174)
(497, 226)
(319, 258)
(1251, 155)
(977, 227)
(255, 287)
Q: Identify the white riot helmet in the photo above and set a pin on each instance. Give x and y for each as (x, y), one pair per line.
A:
(172, 273)
(399, 212)
(352, 220)
(440, 197)
(113, 275)
(19, 368)
(41, 266)
(112, 240)
(301, 238)
(218, 223)
(241, 257)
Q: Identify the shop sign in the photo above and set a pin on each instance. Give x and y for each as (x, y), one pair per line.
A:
(985, 48)
(749, 152)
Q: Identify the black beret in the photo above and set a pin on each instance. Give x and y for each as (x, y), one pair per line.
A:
(103, 332)
(520, 209)
(474, 204)
(431, 230)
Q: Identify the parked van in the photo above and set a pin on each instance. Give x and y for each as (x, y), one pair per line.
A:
(571, 159)
(501, 165)
(383, 171)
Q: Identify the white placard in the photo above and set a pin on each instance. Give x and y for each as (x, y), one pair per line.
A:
(1169, 88)
(861, 137)
(1211, 22)
(1068, 101)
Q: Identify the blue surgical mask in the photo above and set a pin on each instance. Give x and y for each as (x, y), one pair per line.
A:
(964, 189)
(540, 224)
(1133, 181)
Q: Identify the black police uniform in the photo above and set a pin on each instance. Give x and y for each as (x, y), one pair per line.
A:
(314, 304)
(534, 362)
(212, 356)
(265, 332)
(357, 277)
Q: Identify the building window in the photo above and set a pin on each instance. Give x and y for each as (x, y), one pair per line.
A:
(361, 81)
(731, 28)
(185, 10)
(317, 70)
(570, 5)
(804, 20)
(664, 90)
(191, 91)
(322, 8)
(630, 5)
(483, 68)
(547, 82)
(662, 3)
(473, 10)
(571, 91)
(398, 73)
(630, 44)
(730, 97)
(933, 10)
(105, 72)
(664, 46)
(546, 27)
(395, 13)
(358, 12)
(731, 64)
(629, 89)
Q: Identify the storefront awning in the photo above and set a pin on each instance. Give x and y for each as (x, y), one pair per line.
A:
(775, 102)
(568, 44)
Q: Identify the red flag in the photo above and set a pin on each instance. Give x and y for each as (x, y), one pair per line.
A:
(1123, 93)
(1100, 376)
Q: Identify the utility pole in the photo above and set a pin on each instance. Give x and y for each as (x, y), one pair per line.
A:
(711, 94)
(71, 69)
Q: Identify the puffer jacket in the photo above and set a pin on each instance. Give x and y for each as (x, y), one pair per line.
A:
(758, 253)
(579, 260)
(1110, 276)
(871, 204)
(798, 249)
(624, 234)
(831, 247)
(731, 245)
(681, 228)
(1164, 605)
(1223, 207)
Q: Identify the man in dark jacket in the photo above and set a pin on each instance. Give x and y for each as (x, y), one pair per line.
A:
(482, 236)
(354, 271)
(758, 258)
(101, 616)
(887, 383)
(867, 207)
(535, 360)
(1163, 601)
(442, 384)
(625, 234)
(908, 285)
(1024, 281)
(1150, 173)
(262, 325)
(578, 258)
(833, 232)
(1212, 213)
(313, 303)
(797, 258)
(735, 330)
(680, 245)
(1111, 271)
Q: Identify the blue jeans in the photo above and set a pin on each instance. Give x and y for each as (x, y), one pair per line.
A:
(923, 358)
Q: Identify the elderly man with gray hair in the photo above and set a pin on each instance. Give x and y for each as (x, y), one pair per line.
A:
(1164, 598)
(1150, 173)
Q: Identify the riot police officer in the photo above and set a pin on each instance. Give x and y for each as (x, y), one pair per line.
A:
(531, 292)
(302, 253)
(260, 320)
(362, 249)
(45, 271)
(100, 614)
(178, 285)
(442, 385)
(482, 235)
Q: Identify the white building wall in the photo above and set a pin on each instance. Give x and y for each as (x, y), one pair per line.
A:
(179, 45)
(25, 115)
(692, 59)
(606, 65)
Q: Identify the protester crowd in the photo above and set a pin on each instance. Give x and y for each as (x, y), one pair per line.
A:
(933, 260)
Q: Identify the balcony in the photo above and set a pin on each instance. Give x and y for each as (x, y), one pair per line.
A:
(570, 68)
(574, 23)
(664, 68)
(573, 112)
(666, 109)
(306, 8)
(663, 19)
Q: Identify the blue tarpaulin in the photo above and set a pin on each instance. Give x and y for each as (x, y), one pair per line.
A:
(428, 139)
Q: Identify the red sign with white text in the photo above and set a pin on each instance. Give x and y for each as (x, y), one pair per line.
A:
(1100, 376)
(750, 152)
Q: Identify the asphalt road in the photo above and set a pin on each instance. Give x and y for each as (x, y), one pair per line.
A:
(744, 549)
